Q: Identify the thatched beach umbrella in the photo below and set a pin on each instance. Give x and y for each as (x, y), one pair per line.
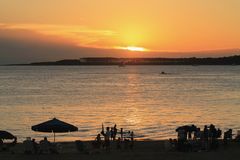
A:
(55, 126)
(6, 135)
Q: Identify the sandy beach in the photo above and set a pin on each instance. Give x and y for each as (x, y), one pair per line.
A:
(142, 150)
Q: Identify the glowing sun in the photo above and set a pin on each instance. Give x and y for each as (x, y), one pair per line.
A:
(133, 48)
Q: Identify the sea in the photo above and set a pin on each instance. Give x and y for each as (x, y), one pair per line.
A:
(136, 98)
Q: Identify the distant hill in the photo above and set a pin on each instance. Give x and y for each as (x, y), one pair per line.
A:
(231, 60)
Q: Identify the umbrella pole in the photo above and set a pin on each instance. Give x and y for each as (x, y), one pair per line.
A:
(54, 136)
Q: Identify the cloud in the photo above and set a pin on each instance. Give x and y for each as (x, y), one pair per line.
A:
(78, 35)
(20, 45)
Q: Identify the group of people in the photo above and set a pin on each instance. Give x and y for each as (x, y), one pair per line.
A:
(120, 138)
(189, 138)
(192, 138)
(44, 146)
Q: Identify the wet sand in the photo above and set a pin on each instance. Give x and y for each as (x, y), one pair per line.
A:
(149, 150)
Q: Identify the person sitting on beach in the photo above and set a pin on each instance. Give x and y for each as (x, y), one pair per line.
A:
(28, 146)
(227, 136)
(35, 146)
(45, 140)
(98, 142)
(169, 145)
(45, 146)
(98, 138)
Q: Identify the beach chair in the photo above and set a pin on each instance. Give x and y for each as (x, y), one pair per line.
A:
(81, 147)
(55, 148)
(59, 147)
(44, 148)
(238, 133)
(167, 146)
(237, 138)
(28, 146)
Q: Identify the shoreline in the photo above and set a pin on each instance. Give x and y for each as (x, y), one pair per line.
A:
(121, 62)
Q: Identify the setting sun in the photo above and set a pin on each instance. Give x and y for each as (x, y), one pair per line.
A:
(133, 48)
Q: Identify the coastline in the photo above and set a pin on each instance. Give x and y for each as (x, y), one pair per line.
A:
(121, 62)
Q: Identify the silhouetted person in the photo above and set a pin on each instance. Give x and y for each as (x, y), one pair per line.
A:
(98, 142)
(132, 140)
(190, 130)
(45, 146)
(121, 133)
(205, 136)
(213, 137)
(114, 132)
(108, 133)
(107, 139)
(35, 146)
(1, 144)
(197, 134)
(219, 133)
(182, 137)
(98, 138)
(205, 133)
(45, 140)
(230, 134)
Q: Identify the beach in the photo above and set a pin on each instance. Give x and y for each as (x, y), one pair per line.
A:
(142, 150)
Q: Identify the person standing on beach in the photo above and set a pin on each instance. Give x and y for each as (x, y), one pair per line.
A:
(132, 140)
(114, 132)
(206, 136)
(107, 138)
(121, 132)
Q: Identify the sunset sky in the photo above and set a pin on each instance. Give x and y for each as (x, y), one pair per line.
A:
(35, 30)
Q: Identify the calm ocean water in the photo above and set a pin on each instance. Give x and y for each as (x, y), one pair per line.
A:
(136, 98)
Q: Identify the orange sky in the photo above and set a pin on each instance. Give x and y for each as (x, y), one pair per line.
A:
(156, 25)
